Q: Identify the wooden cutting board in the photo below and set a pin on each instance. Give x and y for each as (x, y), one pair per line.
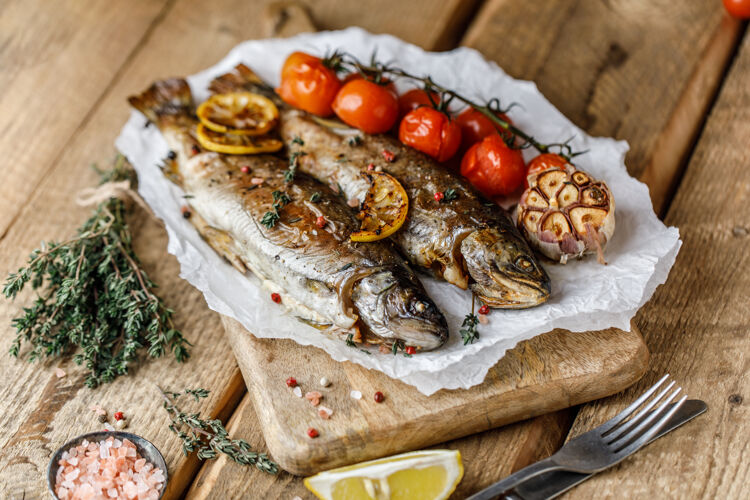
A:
(547, 373)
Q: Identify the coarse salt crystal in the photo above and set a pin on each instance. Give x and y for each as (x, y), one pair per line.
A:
(60, 372)
(356, 395)
(297, 392)
(73, 460)
(112, 493)
(256, 181)
(325, 412)
(483, 319)
(325, 382)
(109, 427)
(353, 202)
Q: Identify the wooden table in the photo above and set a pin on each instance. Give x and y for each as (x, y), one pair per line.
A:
(672, 79)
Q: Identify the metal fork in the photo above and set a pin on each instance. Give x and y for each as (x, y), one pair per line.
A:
(606, 445)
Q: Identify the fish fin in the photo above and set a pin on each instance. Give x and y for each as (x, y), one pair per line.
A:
(240, 79)
(219, 240)
(164, 100)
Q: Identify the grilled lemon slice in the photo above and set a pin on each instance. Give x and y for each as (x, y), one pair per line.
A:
(236, 144)
(419, 475)
(384, 208)
(240, 113)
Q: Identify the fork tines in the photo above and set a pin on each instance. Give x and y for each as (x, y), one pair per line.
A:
(628, 431)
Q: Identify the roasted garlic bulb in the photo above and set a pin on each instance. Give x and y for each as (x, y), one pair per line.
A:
(565, 213)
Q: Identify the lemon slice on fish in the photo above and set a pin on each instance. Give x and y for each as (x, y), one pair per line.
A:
(240, 113)
(236, 144)
(384, 208)
(419, 475)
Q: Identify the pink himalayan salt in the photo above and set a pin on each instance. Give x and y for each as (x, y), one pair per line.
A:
(60, 373)
(107, 469)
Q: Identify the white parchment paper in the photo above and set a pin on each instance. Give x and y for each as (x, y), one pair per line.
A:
(585, 294)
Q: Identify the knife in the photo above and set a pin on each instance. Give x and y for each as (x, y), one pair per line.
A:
(551, 484)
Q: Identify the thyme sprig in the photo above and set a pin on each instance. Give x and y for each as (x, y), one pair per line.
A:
(93, 297)
(208, 437)
(469, 332)
(290, 172)
(280, 200)
(382, 72)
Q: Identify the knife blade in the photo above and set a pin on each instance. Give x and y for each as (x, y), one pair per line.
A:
(551, 484)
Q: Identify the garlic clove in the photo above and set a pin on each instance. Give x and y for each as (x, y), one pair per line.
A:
(567, 196)
(594, 195)
(531, 219)
(580, 216)
(550, 182)
(580, 178)
(556, 223)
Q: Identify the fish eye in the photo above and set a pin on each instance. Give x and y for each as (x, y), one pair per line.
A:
(524, 264)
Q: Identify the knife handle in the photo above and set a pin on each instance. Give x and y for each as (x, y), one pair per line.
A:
(502, 488)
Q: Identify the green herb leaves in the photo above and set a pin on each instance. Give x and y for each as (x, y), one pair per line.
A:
(94, 298)
(468, 330)
(293, 164)
(280, 200)
(208, 438)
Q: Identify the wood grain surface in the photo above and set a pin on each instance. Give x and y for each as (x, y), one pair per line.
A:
(66, 71)
(697, 323)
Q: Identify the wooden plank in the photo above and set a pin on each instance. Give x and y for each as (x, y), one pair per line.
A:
(40, 411)
(56, 64)
(639, 70)
(697, 323)
(550, 372)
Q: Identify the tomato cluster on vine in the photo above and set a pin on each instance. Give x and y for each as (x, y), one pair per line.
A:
(367, 100)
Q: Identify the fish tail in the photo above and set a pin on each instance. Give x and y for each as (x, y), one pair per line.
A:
(164, 100)
(241, 79)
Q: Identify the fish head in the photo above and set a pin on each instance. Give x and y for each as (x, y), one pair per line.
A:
(394, 306)
(505, 272)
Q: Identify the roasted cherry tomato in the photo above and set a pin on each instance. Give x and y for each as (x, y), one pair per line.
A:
(413, 99)
(475, 127)
(493, 167)
(307, 84)
(738, 8)
(430, 131)
(543, 162)
(367, 106)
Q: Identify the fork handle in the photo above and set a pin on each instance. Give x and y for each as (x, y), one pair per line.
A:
(503, 488)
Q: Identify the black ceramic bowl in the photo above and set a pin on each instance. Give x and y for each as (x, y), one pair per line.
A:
(144, 447)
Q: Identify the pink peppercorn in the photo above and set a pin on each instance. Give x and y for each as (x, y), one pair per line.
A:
(439, 196)
(291, 382)
(485, 309)
(312, 432)
(379, 397)
(410, 349)
(276, 298)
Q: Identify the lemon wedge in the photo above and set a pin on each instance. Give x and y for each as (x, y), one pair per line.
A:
(384, 209)
(240, 113)
(419, 475)
(236, 144)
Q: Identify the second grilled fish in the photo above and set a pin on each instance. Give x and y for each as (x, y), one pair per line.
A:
(323, 276)
(467, 237)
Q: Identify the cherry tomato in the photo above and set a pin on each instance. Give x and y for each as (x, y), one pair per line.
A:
(366, 105)
(492, 167)
(413, 99)
(543, 162)
(430, 131)
(475, 127)
(307, 84)
(738, 8)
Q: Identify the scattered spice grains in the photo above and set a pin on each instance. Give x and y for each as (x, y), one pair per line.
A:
(314, 397)
(291, 382)
(312, 432)
(325, 412)
(320, 222)
(245, 169)
(379, 397)
(371, 167)
(108, 469)
(186, 213)
(389, 156)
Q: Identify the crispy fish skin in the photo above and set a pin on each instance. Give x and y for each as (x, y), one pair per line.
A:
(324, 277)
(459, 239)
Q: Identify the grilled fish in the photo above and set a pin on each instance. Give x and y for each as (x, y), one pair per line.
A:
(466, 240)
(322, 276)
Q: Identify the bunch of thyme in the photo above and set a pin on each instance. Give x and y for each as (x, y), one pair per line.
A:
(94, 297)
(208, 438)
